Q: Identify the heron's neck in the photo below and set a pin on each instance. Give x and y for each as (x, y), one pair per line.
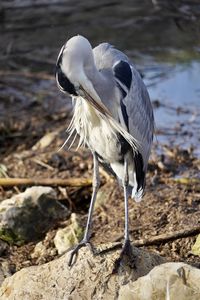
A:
(104, 85)
(95, 76)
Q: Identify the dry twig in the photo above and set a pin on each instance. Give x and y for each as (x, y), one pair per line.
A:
(167, 237)
(45, 181)
(187, 180)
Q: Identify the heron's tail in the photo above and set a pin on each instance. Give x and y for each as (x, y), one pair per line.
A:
(134, 194)
(137, 195)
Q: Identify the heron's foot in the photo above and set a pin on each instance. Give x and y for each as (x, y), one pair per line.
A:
(126, 254)
(126, 248)
(74, 252)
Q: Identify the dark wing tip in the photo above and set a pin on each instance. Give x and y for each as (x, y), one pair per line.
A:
(139, 170)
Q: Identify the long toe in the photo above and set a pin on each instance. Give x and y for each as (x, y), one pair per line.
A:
(126, 248)
(74, 252)
(126, 256)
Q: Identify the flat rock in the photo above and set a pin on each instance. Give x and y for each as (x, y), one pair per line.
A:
(90, 277)
(143, 276)
(28, 215)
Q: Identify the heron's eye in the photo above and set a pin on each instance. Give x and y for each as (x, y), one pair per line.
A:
(64, 83)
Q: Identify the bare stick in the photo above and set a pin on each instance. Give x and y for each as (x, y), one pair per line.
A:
(182, 180)
(167, 237)
(187, 180)
(76, 182)
(164, 238)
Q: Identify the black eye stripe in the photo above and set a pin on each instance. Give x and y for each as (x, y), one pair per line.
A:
(65, 83)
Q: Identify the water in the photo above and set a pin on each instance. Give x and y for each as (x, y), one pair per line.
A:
(161, 37)
(177, 95)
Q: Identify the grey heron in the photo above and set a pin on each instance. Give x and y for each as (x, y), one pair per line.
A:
(113, 116)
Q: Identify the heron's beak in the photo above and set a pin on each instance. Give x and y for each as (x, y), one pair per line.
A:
(92, 97)
(95, 103)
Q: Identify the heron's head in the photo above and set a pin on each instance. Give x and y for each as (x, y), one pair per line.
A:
(74, 59)
(74, 64)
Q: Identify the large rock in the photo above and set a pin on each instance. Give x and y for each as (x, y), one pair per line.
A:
(91, 277)
(27, 216)
(170, 281)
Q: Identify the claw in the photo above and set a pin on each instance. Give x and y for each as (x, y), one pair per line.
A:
(126, 248)
(126, 251)
(74, 252)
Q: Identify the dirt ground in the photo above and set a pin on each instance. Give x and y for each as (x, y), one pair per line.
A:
(170, 204)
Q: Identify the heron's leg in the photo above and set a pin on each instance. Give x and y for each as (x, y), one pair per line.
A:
(96, 183)
(126, 245)
(126, 248)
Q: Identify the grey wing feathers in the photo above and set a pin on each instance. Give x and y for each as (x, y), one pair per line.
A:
(139, 116)
(135, 105)
(140, 113)
(136, 112)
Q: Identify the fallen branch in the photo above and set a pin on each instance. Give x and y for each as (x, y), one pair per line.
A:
(186, 180)
(76, 182)
(166, 237)
(189, 183)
